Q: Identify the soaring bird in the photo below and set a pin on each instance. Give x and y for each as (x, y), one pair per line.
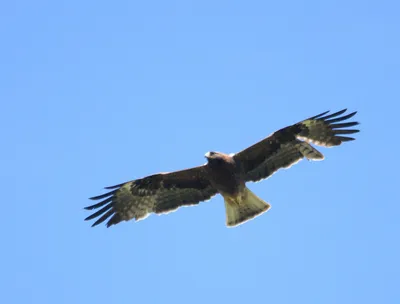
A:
(224, 174)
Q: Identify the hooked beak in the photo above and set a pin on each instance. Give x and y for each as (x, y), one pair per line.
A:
(208, 155)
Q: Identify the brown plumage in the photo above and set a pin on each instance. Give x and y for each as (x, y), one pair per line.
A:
(224, 174)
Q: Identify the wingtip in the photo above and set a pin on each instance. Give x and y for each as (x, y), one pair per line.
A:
(351, 114)
(93, 198)
(101, 196)
(333, 114)
(114, 187)
(319, 115)
(345, 138)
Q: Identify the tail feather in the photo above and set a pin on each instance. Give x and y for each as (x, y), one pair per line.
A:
(244, 207)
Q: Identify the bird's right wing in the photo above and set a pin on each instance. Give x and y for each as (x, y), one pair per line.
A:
(158, 193)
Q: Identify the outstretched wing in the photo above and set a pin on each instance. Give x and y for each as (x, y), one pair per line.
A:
(289, 145)
(158, 193)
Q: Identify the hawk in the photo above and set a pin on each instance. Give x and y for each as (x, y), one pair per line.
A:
(224, 174)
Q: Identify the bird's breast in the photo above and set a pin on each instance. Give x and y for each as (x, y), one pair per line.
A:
(225, 180)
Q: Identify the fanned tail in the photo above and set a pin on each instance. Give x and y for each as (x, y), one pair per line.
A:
(244, 207)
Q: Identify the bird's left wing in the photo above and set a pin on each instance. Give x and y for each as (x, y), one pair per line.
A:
(158, 193)
(289, 145)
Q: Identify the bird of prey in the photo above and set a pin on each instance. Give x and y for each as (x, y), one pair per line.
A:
(224, 174)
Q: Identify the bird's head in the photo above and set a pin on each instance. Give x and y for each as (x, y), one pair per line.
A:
(216, 158)
(211, 155)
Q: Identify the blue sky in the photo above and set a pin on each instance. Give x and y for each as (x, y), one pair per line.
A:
(96, 93)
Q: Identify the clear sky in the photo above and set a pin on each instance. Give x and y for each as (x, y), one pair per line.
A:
(95, 93)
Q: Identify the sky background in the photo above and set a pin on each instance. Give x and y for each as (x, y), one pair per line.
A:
(95, 93)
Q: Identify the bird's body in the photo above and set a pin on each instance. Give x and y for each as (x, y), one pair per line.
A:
(224, 174)
(227, 177)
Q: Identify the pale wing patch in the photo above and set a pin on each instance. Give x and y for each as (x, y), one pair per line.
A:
(142, 205)
(131, 206)
(327, 131)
